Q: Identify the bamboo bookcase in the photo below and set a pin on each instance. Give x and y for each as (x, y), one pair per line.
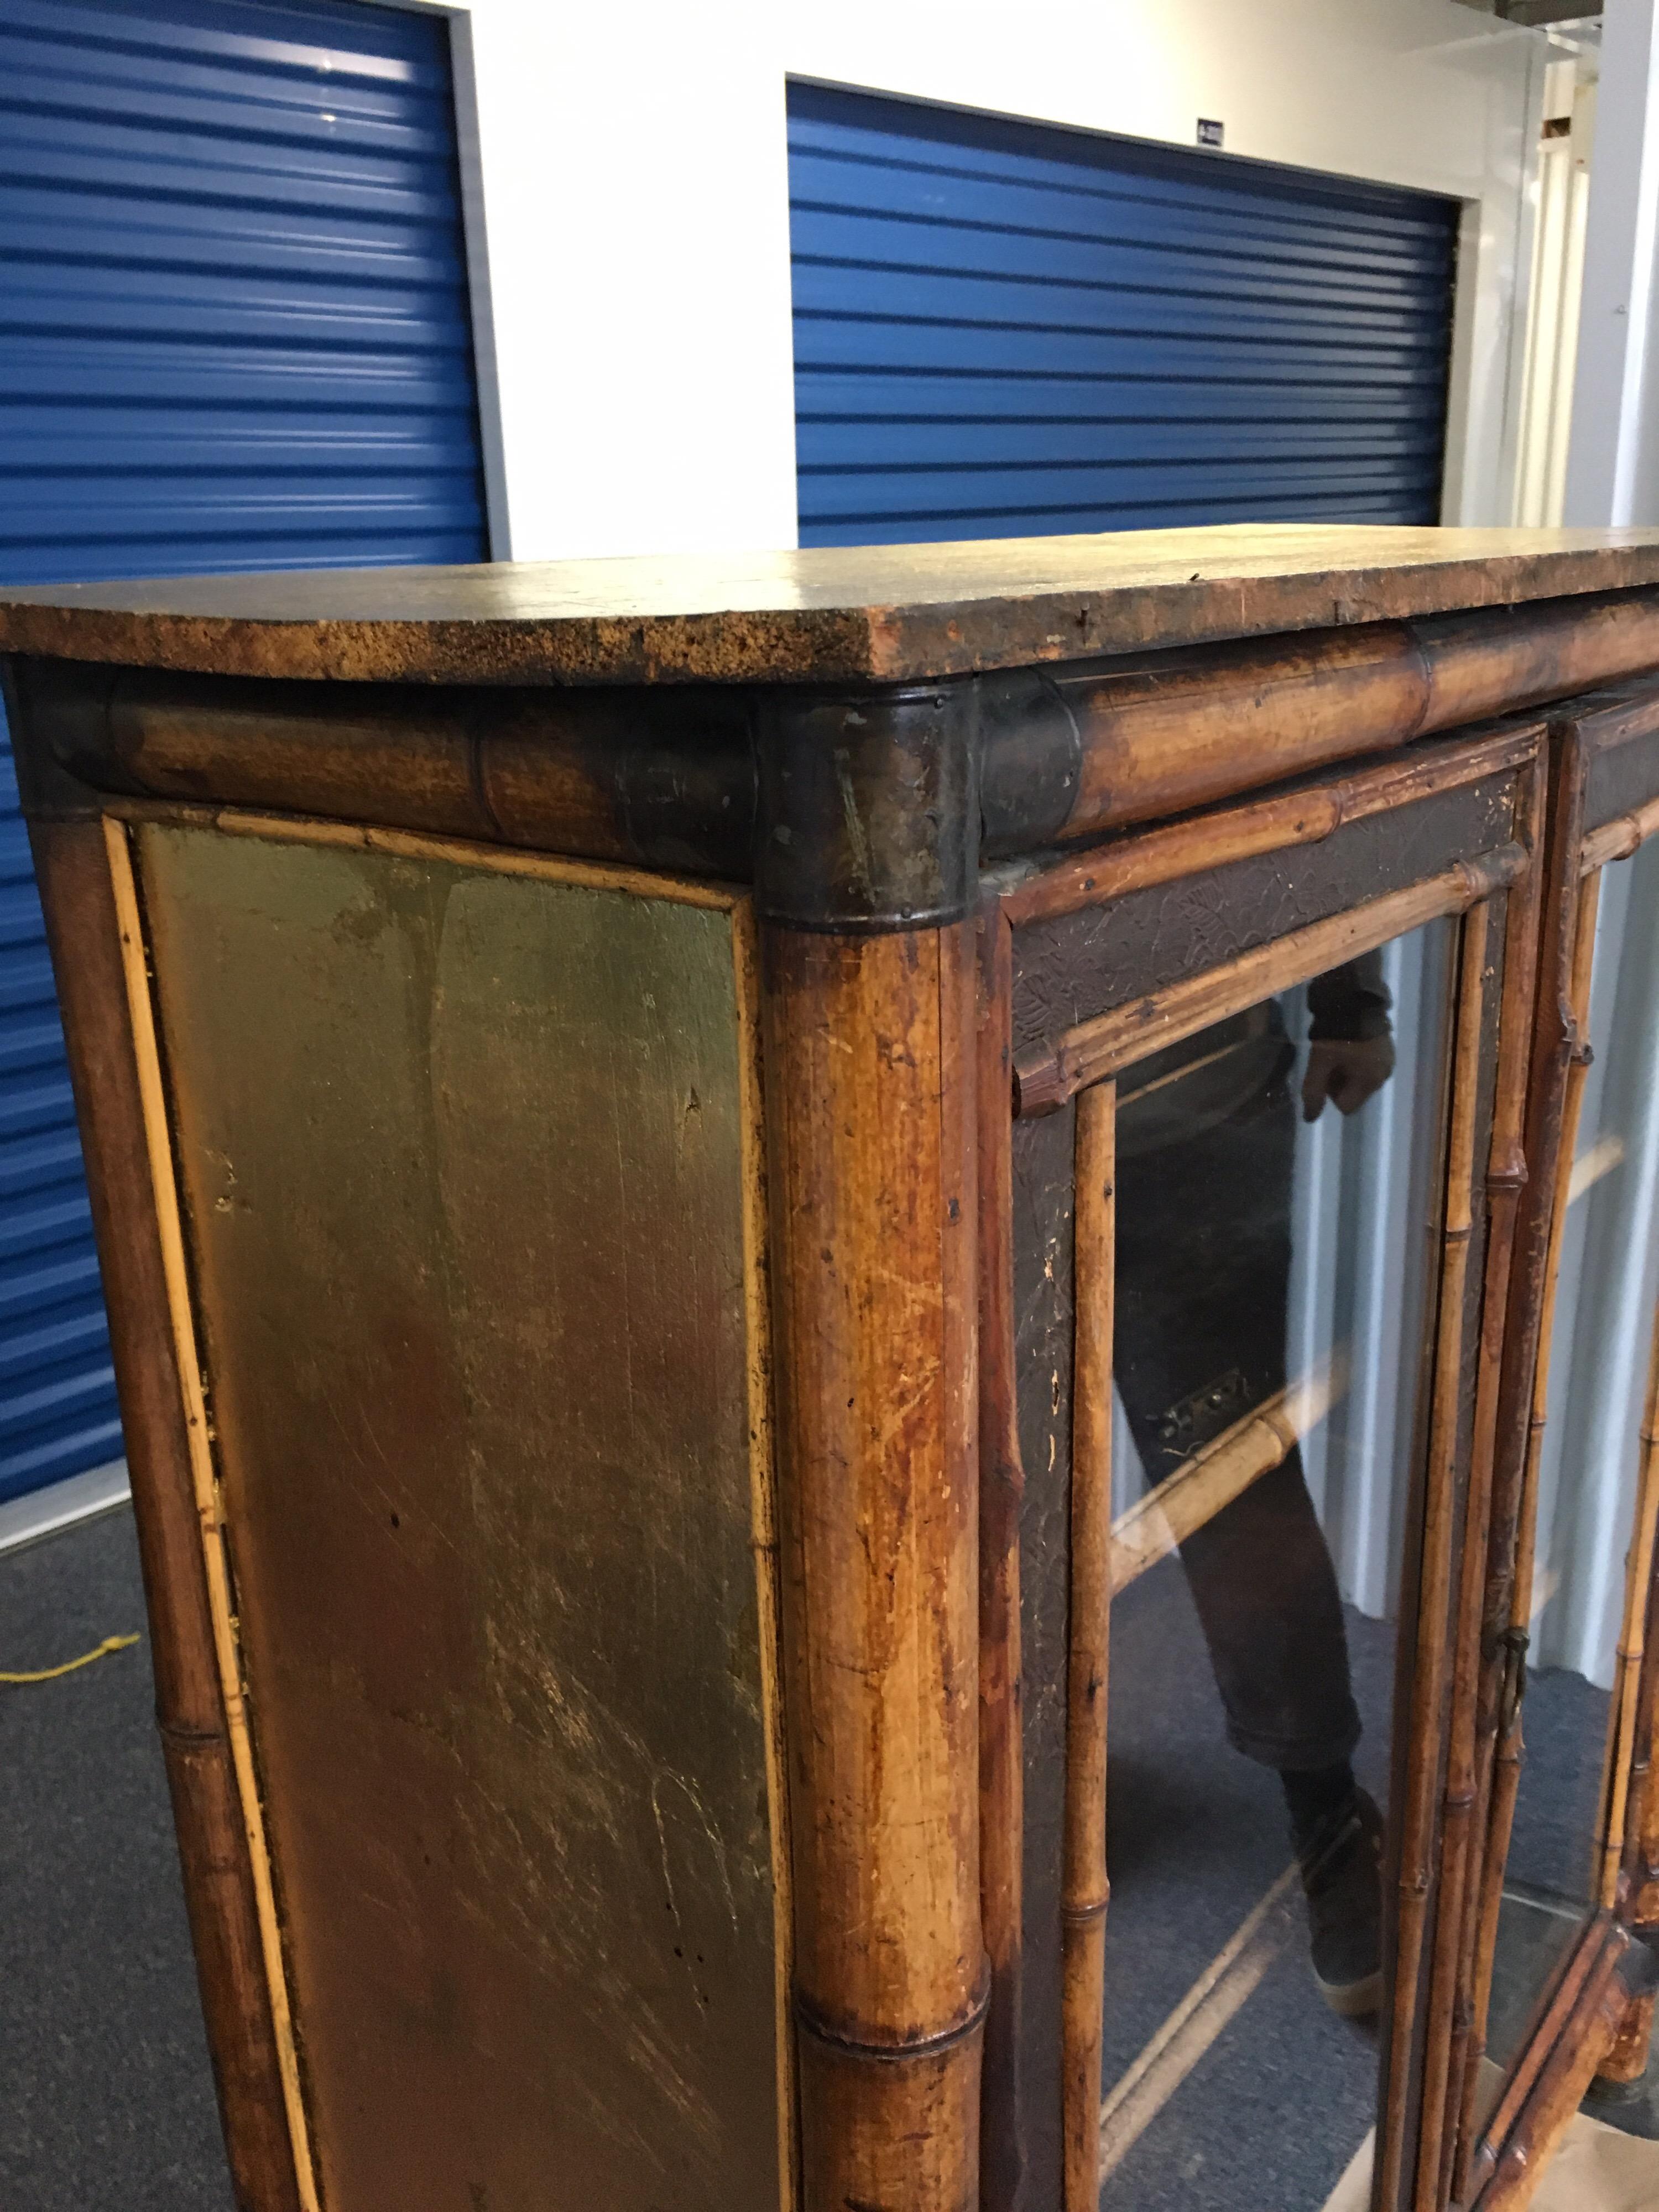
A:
(591, 1077)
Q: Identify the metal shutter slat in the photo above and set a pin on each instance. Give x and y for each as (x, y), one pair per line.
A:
(867, 396)
(1005, 329)
(912, 138)
(237, 334)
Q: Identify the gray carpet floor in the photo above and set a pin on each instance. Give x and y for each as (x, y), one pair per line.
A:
(1268, 2119)
(106, 2096)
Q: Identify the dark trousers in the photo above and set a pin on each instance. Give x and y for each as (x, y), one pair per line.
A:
(1203, 1279)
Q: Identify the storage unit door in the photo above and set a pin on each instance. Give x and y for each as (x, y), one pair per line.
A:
(236, 335)
(1007, 329)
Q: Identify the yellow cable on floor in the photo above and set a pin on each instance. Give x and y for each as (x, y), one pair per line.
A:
(51, 1674)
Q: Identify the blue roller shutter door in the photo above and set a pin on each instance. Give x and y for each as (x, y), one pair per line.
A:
(236, 335)
(1008, 330)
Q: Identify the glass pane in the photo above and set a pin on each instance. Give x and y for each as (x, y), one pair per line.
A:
(1272, 1277)
(1588, 1468)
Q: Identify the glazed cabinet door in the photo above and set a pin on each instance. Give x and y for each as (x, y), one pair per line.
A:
(1240, 1345)
(1561, 1988)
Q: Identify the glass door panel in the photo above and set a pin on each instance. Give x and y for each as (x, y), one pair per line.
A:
(1279, 1187)
(1581, 1622)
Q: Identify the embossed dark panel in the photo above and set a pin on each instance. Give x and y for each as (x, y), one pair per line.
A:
(1080, 964)
(1042, 1179)
(1621, 778)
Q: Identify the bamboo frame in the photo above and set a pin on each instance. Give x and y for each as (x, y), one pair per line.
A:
(764, 1537)
(1158, 738)
(1580, 2025)
(164, 1197)
(1092, 1050)
(1622, 1739)
(1638, 1894)
(1579, 991)
(1619, 838)
(1416, 1824)
(1555, 1089)
(1448, 2066)
(215, 1535)
(1564, 1991)
(1306, 816)
(1085, 1061)
(420, 845)
(1626, 2056)
(73, 863)
(1002, 1486)
(1175, 728)
(1629, 1828)
(1085, 1890)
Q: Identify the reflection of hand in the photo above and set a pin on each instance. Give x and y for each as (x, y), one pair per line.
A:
(1345, 1069)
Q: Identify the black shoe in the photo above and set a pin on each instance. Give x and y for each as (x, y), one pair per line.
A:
(1340, 1857)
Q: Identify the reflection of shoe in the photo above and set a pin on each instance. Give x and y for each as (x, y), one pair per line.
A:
(1340, 1857)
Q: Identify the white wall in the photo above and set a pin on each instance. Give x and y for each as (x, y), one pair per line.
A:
(1612, 467)
(635, 189)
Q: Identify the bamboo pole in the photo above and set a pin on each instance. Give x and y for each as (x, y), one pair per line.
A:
(1448, 2023)
(1448, 2080)
(1177, 730)
(1638, 1880)
(1416, 1831)
(872, 1191)
(1001, 1488)
(1565, 933)
(1619, 838)
(1561, 1998)
(1091, 1051)
(1085, 1890)
(97, 962)
(1579, 991)
(1304, 815)
(764, 1525)
(221, 1606)
(1633, 1897)
(1449, 2065)
(1622, 1739)
(1580, 2028)
(1626, 2059)
(1200, 1487)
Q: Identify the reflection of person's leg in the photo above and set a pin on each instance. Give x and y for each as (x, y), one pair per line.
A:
(1203, 1281)
(1203, 1285)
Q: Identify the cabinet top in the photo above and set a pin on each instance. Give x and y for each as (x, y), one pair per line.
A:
(884, 614)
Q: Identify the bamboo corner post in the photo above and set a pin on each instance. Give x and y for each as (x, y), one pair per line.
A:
(867, 895)
(269, 2170)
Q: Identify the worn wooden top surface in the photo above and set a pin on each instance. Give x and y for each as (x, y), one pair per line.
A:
(834, 614)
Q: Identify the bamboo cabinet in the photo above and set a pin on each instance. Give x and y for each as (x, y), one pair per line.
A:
(1555, 1929)
(827, 1275)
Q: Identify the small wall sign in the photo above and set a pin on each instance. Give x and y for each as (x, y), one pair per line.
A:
(1210, 132)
